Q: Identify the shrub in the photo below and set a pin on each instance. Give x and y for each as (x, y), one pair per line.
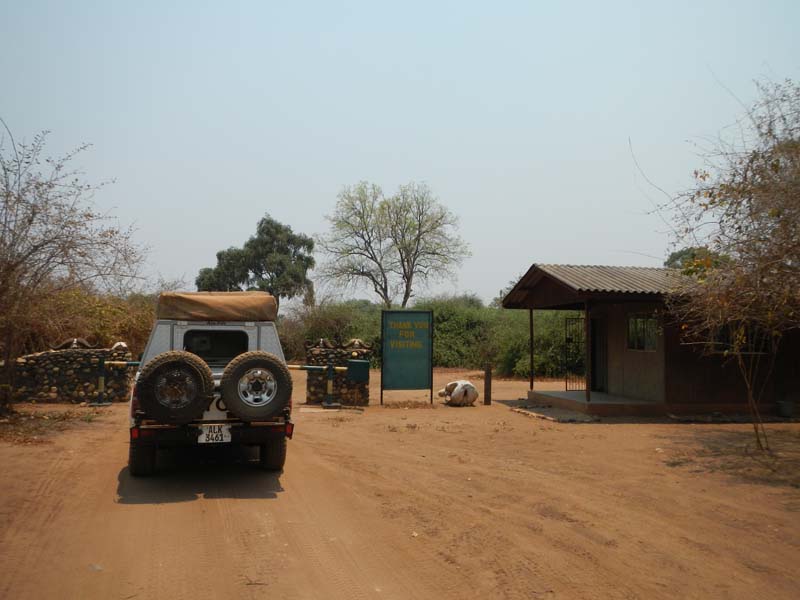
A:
(461, 327)
(467, 334)
(336, 321)
(100, 318)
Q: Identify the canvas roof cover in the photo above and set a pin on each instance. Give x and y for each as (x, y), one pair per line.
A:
(217, 306)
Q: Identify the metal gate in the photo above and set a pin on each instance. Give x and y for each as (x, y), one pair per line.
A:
(575, 353)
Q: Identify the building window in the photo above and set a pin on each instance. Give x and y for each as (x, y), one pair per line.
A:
(215, 347)
(742, 339)
(642, 332)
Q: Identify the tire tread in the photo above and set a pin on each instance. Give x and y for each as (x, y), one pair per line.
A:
(228, 384)
(194, 410)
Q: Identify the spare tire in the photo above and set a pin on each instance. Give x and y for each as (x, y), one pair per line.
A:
(256, 386)
(175, 387)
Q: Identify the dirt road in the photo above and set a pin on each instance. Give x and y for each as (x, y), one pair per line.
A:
(409, 503)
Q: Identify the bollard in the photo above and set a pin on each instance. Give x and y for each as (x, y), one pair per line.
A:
(101, 378)
(329, 400)
(487, 385)
(101, 385)
(330, 370)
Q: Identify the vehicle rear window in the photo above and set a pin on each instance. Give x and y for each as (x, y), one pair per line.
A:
(216, 348)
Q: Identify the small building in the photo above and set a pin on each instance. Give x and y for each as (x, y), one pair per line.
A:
(624, 354)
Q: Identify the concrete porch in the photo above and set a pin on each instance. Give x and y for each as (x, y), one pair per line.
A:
(610, 405)
(601, 405)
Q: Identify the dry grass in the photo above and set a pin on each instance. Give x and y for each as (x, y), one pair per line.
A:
(409, 404)
(34, 424)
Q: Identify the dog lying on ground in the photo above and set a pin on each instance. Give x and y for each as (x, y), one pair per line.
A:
(459, 393)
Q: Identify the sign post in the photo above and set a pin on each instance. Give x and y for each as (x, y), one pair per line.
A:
(406, 350)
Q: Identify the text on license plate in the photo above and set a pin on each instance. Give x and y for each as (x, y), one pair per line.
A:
(214, 434)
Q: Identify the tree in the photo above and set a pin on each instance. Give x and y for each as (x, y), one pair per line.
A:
(692, 258)
(51, 240)
(230, 274)
(391, 244)
(358, 242)
(275, 260)
(746, 206)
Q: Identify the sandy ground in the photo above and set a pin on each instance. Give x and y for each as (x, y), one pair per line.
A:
(402, 503)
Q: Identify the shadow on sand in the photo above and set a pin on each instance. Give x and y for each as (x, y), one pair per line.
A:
(188, 474)
(734, 452)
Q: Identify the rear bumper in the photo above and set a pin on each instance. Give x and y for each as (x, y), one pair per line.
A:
(187, 435)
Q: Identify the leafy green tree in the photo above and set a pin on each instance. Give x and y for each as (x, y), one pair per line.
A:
(279, 259)
(391, 244)
(274, 260)
(231, 273)
(694, 259)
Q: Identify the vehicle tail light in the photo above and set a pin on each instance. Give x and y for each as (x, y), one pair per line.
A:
(137, 433)
(289, 430)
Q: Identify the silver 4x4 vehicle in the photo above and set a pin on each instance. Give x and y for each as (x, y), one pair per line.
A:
(213, 372)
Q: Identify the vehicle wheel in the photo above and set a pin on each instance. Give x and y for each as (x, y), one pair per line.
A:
(272, 455)
(256, 386)
(141, 460)
(175, 387)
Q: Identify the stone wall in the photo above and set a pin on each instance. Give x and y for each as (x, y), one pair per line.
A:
(344, 391)
(71, 376)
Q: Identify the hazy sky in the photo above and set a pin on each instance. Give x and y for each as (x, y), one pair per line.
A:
(517, 114)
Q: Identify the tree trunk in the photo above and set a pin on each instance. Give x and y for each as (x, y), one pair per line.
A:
(7, 371)
(407, 292)
(749, 373)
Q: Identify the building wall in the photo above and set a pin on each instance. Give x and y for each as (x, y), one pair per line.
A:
(633, 374)
(694, 378)
(787, 370)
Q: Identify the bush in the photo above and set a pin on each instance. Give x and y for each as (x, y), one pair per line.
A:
(512, 352)
(467, 334)
(102, 319)
(336, 321)
(461, 326)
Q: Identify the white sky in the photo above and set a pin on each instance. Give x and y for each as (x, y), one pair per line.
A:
(517, 114)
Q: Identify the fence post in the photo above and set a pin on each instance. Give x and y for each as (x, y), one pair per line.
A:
(487, 385)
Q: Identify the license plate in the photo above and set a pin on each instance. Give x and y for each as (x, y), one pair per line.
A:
(214, 434)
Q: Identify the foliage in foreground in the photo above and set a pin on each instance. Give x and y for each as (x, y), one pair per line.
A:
(53, 241)
(745, 206)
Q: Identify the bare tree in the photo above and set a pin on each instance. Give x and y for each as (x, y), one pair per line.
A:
(391, 244)
(746, 206)
(358, 243)
(51, 239)
(423, 233)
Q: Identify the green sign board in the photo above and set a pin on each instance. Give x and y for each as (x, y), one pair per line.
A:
(407, 350)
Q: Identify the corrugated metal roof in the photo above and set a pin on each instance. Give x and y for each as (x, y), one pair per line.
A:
(580, 281)
(597, 278)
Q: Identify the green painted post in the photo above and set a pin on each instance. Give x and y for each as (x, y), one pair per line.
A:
(101, 385)
(329, 401)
